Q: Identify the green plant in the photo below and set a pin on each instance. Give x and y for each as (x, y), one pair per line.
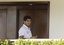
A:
(33, 42)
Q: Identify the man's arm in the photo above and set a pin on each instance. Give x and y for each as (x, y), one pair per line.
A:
(22, 37)
(21, 33)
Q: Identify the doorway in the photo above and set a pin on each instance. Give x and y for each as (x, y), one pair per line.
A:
(39, 12)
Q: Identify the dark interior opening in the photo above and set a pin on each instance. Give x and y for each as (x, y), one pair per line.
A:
(11, 18)
(39, 13)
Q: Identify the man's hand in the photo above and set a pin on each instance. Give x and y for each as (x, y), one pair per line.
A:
(33, 37)
(21, 37)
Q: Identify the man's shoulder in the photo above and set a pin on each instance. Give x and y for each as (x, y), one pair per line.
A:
(22, 28)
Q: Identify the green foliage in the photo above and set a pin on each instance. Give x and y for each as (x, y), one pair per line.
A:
(28, 42)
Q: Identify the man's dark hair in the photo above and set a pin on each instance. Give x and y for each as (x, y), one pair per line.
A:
(26, 17)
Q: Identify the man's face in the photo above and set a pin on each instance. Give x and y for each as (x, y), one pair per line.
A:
(27, 22)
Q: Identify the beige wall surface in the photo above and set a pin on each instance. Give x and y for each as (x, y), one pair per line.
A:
(56, 22)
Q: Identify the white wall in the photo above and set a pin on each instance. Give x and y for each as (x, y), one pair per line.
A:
(56, 28)
(57, 19)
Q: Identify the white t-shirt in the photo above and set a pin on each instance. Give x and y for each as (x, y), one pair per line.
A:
(25, 31)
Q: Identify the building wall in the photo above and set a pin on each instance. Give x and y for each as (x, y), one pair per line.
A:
(56, 22)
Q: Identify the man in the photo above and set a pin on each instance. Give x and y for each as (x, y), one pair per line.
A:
(24, 31)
